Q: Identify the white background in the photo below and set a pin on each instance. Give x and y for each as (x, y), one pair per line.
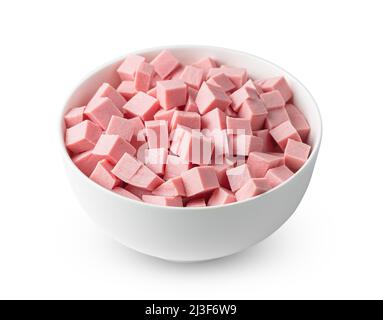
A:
(330, 248)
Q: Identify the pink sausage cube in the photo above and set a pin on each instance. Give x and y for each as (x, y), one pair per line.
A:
(142, 105)
(191, 106)
(283, 132)
(222, 81)
(269, 145)
(86, 162)
(135, 173)
(231, 113)
(275, 117)
(259, 83)
(214, 120)
(164, 63)
(177, 137)
(221, 196)
(244, 144)
(163, 201)
(255, 110)
(272, 100)
(231, 160)
(141, 153)
(121, 127)
(107, 91)
(103, 176)
(192, 76)
(296, 154)
(202, 148)
(259, 163)
(127, 69)
(82, 137)
(157, 133)
(192, 93)
(112, 147)
(238, 125)
(195, 148)
(237, 75)
(143, 77)
(138, 192)
(155, 160)
(280, 84)
(210, 97)
(171, 93)
(220, 170)
(253, 188)
(74, 116)
(100, 111)
(196, 203)
(126, 193)
(258, 88)
(175, 166)
(199, 180)
(172, 188)
(251, 84)
(152, 92)
(176, 74)
(137, 124)
(191, 120)
(223, 144)
(127, 89)
(146, 179)
(276, 176)
(205, 64)
(139, 142)
(238, 97)
(166, 115)
(155, 79)
(298, 120)
(238, 176)
(138, 138)
(214, 71)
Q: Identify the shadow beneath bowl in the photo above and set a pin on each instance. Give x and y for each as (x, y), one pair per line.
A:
(262, 254)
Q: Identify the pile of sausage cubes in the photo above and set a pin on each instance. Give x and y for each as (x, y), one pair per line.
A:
(193, 135)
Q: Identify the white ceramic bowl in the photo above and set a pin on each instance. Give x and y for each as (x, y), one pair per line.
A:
(194, 234)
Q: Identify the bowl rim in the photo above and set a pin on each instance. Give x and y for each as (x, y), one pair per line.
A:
(314, 148)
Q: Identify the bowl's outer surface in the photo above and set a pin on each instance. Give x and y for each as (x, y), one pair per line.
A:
(195, 234)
